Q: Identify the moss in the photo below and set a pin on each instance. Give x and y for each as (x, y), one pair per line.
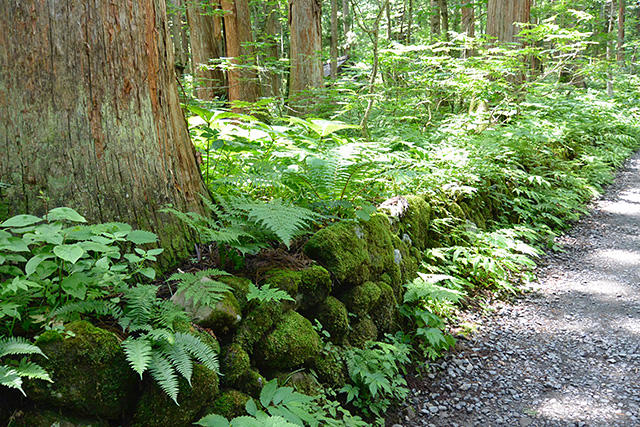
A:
(292, 343)
(234, 362)
(39, 417)
(205, 335)
(385, 311)
(308, 287)
(408, 265)
(240, 286)
(361, 299)
(416, 221)
(302, 382)
(251, 382)
(259, 320)
(354, 253)
(229, 404)
(331, 369)
(89, 370)
(334, 318)
(224, 316)
(156, 409)
(362, 331)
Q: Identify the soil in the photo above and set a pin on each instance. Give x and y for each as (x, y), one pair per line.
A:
(567, 353)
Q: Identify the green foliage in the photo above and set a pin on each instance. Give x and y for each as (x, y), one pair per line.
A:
(266, 293)
(201, 287)
(12, 371)
(284, 407)
(55, 266)
(375, 376)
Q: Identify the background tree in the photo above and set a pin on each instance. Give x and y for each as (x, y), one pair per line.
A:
(502, 16)
(90, 116)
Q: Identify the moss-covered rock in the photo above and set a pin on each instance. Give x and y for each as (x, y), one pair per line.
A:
(251, 383)
(331, 369)
(385, 311)
(361, 299)
(240, 286)
(229, 404)
(89, 371)
(362, 331)
(234, 363)
(40, 417)
(221, 318)
(259, 320)
(354, 253)
(334, 318)
(308, 287)
(156, 409)
(302, 382)
(291, 344)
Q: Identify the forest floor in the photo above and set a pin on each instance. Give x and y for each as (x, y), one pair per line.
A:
(566, 353)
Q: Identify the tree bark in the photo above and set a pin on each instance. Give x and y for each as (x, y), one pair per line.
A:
(207, 43)
(502, 15)
(444, 18)
(305, 46)
(346, 26)
(468, 23)
(273, 79)
(178, 35)
(435, 20)
(241, 76)
(90, 116)
(334, 39)
(620, 41)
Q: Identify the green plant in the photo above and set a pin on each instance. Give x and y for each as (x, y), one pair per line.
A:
(201, 287)
(53, 261)
(375, 376)
(285, 407)
(11, 371)
(266, 293)
(152, 344)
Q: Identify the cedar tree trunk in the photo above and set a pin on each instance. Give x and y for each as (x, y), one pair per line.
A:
(306, 44)
(90, 117)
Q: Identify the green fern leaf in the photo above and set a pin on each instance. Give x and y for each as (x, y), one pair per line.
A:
(18, 345)
(29, 369)
(200, 287)
(198, 349)
(267, 293)
(179, 358)
(9, 377)
(98, 307)
(163, 372)
(138, 352)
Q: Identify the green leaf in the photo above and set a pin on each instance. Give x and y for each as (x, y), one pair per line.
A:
(9, 377)
(21, 221)
(14, 244)
(35, 261)
(267, 393)
(148, 272)
(71, 253)
(75, 285)
(138, 354)
(213, 420)
(140, 237)
(251, 407)
(64, 213)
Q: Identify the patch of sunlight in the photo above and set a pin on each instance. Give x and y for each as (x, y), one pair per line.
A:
(629, 205)
(630, 325)
(605, 287)
(572, 408)
(619, 256)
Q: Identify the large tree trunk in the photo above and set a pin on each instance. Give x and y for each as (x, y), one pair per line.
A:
(242, 77)
(334, 40)
(346, 26)
(90, 116)
(444, 18)
(468, 23)
(207, 43)
(273, 78)
(435, 20)
(502, 16)
(305, 46)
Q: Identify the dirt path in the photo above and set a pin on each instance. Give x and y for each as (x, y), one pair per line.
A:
(568, 354)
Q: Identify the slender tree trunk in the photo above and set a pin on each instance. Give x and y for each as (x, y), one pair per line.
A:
(242, 76)
(90, 116)
(609, 54)
(410, 22)
(207, 43)
(334, 39)
(468, 23)
(435, 20)
(305, 45)
(273, 29)
(620, 41)
(346, 27)
(444, 18)
(389, 23)
(177, 34)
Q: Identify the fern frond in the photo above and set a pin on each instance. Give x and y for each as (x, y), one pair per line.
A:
(138, 352)
(9, 377)
(200, 287)
(179, 358)
(98, 307)
(18, 345)
(162, 335)
(141, 301)
(27, 369)
(198, 349)
(267, 293)
(166, 314)
(163, 372)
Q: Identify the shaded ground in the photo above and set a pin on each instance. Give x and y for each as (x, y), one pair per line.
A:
(567, 354)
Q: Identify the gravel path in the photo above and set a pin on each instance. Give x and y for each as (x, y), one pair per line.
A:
(568, 353)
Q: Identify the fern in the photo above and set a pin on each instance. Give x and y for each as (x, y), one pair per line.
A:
(267, 293)
(138, 352)
(11, 374)
(164, 373)
(200, 287)
(99, 307)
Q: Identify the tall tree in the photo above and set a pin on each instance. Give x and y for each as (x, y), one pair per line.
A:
(305, 45)
(620, 43)
(207, 43)
(272, 32)
(334, 39)
(242, 76)
(444, 18)
(468, 23)
(90, 116)
(502, 16)
(346, 27)
(435, 20)
(178, 35)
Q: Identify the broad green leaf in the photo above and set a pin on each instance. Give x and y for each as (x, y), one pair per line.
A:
(71, 253)
(213, 420)
(21, 221)
(138, 354)
(75, 285)
(267, 393)
(251, 407)
(148, 272)
(14, 244)
(35, 261)
(140, 237)
(64, 213)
